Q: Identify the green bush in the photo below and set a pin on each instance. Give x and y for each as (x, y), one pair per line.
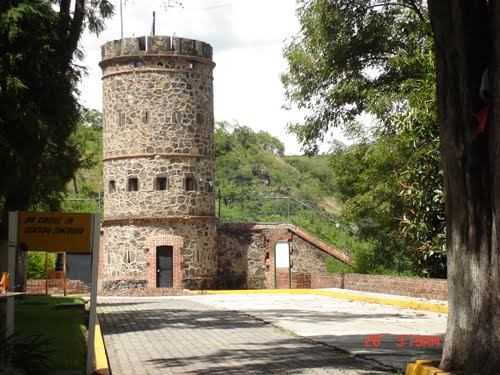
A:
(36, 264)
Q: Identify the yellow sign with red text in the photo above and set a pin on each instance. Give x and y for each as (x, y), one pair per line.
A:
(55, 231)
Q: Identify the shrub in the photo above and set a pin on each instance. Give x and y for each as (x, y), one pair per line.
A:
(36, 264)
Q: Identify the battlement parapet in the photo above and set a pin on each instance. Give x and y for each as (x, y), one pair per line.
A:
(161, 45)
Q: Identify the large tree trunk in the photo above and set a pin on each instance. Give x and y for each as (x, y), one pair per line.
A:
(471, 165)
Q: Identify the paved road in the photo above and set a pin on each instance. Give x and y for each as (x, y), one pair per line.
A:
(389, 335)
(181, 335)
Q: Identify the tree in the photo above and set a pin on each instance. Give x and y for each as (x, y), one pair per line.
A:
(84, 191)
(355, 57)
(463, 33)
(466, 44)
(38, 99)
(367, 185)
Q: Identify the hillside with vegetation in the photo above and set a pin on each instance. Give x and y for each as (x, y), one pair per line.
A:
(256, 182)
(341, 198)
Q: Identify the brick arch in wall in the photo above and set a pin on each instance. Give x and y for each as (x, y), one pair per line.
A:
(177, 243)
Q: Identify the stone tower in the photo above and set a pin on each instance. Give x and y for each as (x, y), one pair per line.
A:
(159, 204)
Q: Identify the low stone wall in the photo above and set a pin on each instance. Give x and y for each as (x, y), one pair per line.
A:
(56, 286)
(123, 284)
(397, 285)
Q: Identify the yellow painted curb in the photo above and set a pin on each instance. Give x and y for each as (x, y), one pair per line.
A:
(424, 367)
(101, 360)
(353, 297)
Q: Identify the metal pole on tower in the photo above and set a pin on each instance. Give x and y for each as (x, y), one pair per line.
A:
(153, 29)
(121, 18)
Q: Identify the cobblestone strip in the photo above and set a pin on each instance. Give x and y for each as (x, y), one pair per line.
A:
(147, 336)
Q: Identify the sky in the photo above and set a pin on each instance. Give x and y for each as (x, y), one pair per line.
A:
(247, 36)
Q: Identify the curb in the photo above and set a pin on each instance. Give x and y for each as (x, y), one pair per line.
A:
(384, 301)
(424, 367)
(101, 359)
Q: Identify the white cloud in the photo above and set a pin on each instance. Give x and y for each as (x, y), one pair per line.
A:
(247, 36)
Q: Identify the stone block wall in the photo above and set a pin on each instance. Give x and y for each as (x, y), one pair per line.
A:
(147, 201)
(158, 161)
(241, 259)
(157, 44)
(131, 253)
(55, 286)
(245, 256)
(306, 257)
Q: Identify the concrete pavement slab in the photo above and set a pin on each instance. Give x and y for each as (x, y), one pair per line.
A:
(389, 335)
(177, 335)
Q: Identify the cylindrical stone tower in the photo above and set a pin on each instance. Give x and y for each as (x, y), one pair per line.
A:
(159, 204)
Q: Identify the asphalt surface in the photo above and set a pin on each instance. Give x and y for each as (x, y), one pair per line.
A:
(264, 334)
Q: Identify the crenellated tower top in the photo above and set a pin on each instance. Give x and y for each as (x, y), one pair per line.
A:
(152, 45)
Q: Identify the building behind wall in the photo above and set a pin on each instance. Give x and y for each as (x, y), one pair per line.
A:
(159, 214)
(159, 227)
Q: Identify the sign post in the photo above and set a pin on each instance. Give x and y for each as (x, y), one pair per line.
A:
(96, 229)
(61, 232)
(11, 269)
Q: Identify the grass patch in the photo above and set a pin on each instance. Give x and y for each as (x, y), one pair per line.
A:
(65, 328)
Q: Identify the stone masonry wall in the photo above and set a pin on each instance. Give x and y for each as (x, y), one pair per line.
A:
(148, 201)
(241, 260)
(306, 257)
(245, 256)
(158, 161)
(131, 253)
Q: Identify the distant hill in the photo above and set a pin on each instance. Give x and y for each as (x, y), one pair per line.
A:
(254, 182)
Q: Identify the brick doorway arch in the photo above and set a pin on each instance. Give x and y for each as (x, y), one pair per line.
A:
(176, 242)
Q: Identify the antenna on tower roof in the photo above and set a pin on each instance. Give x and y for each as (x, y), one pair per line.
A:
(121, 19)
(153, 27)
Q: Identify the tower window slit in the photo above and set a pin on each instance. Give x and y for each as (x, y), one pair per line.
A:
(145, 117)
(190, 184)
(121, 118)
(112, 186)
(161, 183)
(133, 184)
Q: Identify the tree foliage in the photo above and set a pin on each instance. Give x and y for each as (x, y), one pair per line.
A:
(344, 61)
(367, 186)
(36, 264)
(83, 192)
(357, 57)
(38, 97)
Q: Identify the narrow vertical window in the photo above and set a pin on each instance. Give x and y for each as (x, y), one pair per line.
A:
(177, 117)
(145, 117)
(121, 118)
(142, 43)
(189, 184)
(133, 184)
(160, 183)
(209, 187)
(112, 186)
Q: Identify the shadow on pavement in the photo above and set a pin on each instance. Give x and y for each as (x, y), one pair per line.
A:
(284, 356)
